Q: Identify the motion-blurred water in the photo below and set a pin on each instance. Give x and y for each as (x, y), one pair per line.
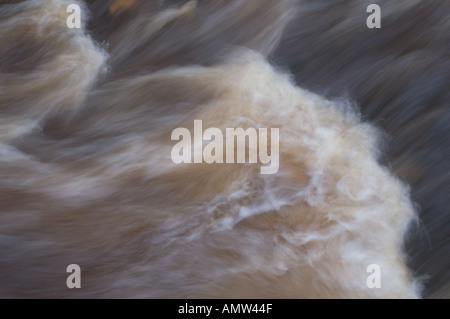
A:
(87, 177)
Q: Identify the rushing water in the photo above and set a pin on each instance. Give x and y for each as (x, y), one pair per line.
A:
(85, 148)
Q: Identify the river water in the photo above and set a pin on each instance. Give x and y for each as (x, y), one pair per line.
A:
(85, 149)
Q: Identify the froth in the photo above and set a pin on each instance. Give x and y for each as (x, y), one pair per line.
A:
(86, 167)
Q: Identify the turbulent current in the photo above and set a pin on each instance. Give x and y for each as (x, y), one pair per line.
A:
(87, 178)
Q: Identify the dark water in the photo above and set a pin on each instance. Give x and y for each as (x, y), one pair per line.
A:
(87, 178)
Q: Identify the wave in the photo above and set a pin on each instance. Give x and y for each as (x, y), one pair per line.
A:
(87, 176)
